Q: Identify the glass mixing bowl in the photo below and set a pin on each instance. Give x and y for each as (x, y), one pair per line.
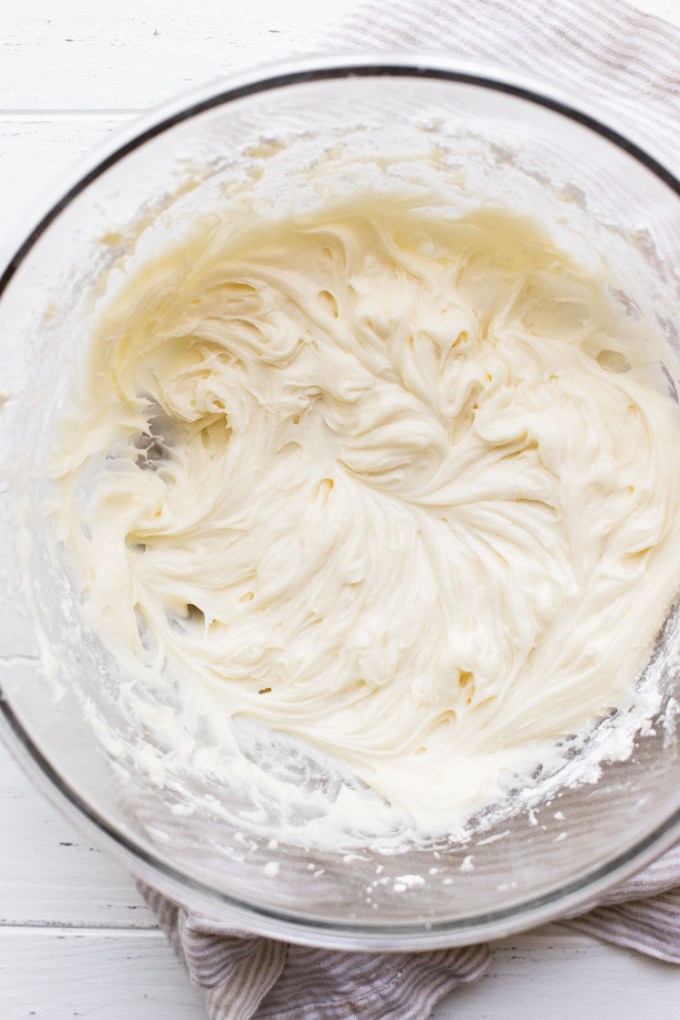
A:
(378, 122)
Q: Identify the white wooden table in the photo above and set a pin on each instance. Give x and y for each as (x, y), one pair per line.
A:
(75, 938)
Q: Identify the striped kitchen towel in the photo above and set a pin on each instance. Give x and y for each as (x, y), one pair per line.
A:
(628, 63)
(244, 976)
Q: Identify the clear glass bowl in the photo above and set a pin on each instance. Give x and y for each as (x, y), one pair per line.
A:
(378, 121)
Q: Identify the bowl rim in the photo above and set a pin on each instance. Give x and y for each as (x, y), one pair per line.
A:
(170, 879)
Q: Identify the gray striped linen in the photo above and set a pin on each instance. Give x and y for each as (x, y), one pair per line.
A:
(244, 975)
(629, 63)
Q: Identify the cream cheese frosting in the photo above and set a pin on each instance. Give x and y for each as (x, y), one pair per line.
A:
(398, 484)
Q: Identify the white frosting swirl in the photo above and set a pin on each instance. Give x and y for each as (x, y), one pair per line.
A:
(400, 485)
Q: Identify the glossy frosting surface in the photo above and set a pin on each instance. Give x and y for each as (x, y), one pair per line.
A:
(399, 485)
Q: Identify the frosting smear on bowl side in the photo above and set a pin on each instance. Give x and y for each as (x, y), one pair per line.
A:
(401, 486)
